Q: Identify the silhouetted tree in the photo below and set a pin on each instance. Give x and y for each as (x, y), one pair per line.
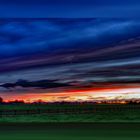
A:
(1, 100)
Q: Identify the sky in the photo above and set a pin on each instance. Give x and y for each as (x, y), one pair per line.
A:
(69, 59)
(69, 8)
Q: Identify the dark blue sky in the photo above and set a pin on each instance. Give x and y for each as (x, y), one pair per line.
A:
(37, 45)
(29, 37)
(69, 8)
(49, 44)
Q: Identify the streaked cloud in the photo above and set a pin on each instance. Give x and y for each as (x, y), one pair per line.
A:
(43, 56)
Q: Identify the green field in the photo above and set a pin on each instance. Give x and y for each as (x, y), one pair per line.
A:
(106, 123)
(74, 131)
(96, 113)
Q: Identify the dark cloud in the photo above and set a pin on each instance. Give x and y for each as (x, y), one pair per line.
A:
(35, 84)
(37, 43)
(29, 37)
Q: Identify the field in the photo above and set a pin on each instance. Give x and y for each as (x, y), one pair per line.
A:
(71, 131)
(69, 113)
(70, 122)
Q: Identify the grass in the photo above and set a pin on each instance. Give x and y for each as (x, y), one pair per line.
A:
(89, 126)
(105, 115)
(75, 131)
(98, 117)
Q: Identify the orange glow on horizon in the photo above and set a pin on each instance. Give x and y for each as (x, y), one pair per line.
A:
(90, 94)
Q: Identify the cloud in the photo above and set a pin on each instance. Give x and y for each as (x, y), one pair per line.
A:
(71, 53)
(43, 84)
(29, 37)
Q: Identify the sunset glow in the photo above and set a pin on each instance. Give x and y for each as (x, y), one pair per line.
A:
(80, 95)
